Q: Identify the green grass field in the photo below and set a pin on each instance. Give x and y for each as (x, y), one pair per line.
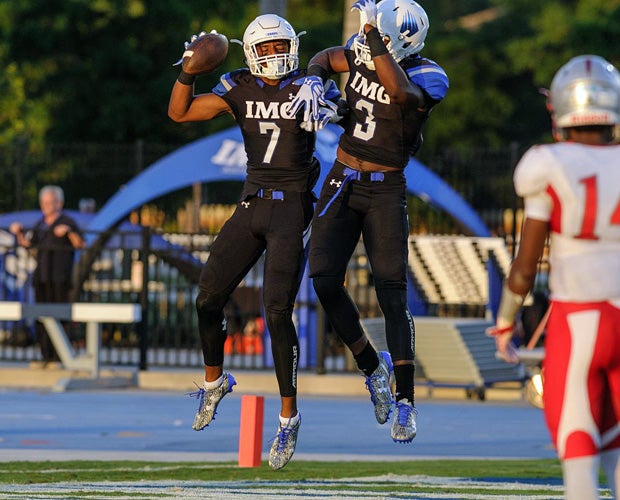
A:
(437, 479)
(454, 479)
(45, 472)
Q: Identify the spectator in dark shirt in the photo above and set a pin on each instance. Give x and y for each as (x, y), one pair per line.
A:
(54, 239)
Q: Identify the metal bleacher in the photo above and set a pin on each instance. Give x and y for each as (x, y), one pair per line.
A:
(452, 352)
(452, 270)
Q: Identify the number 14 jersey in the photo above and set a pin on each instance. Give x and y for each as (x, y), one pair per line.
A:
(576, 188)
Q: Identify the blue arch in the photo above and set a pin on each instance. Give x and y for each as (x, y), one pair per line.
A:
(221, 157)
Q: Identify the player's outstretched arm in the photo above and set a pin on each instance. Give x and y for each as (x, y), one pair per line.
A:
(184, 106)
(203, 53)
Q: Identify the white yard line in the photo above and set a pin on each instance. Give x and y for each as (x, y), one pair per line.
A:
(398, 487)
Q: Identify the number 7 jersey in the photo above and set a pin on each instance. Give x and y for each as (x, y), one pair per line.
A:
(576, 188)
(279, 151)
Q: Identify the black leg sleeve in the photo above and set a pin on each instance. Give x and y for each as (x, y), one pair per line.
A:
(285, 350)
(340, 309)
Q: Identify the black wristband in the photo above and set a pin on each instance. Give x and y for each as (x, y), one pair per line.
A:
(318, 70)
(375, 43)
(186, 78)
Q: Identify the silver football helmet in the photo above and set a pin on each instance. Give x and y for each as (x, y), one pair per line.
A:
(267, 28)
(585, 91)
(403, 23)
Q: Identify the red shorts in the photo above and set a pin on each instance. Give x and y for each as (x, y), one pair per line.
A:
(581, 373)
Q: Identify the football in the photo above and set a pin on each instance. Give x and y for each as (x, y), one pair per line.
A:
(205, 54)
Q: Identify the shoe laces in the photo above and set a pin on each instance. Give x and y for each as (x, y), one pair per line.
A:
(199, 394)
(404, 412)
(283, 435)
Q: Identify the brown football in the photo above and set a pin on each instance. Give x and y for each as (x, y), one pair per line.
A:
(205, 54)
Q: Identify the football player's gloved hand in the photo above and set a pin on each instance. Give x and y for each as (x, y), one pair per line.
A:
(310, 97)
(327, 113)
(503, 343)
(189, 53)
(368, 12)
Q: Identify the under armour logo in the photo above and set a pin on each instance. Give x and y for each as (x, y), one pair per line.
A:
(245, 204)
(291, 96)
(334, 182)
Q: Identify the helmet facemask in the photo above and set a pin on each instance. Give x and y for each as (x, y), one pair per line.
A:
(270, 28)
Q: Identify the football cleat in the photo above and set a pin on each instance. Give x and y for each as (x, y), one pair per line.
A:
(284, 444)
(378, 384)
(404, 427)
(209, 399)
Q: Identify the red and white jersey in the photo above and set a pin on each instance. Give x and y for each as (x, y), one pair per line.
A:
(576, 187)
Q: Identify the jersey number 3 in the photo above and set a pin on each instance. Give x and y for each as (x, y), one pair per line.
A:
(365, 131)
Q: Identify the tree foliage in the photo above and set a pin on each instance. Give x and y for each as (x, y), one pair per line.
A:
(101, 70)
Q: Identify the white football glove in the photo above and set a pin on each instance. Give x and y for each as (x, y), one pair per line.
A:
(190, 53)
(310, 96)
(368, 12)
(327, 113)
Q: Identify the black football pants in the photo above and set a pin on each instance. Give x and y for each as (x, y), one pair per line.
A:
(378, 211)
(258, 225)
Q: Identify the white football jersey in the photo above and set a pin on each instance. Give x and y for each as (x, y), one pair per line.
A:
(576, 187)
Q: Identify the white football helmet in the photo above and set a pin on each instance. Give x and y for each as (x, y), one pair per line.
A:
(403, 23)
(267, 28)
(585, 91)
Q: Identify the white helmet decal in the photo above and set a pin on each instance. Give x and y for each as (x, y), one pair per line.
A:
(402, 23)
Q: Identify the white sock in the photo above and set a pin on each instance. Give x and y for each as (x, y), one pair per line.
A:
(581, 478)
(610, 460)
(215, 384)
(290, 420)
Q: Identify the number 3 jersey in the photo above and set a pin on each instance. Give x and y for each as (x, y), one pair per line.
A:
(378, 130)
(279, 151)
(576, 188)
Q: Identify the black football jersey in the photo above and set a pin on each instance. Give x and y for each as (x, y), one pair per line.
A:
(279, 151)
(378, 131)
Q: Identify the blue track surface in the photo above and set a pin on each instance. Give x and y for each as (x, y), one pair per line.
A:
(157, 425)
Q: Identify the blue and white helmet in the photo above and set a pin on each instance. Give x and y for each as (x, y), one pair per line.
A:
(267, 28)
(403, 24)
(585, 91)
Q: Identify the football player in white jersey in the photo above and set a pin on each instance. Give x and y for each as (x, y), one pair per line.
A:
(571, 192)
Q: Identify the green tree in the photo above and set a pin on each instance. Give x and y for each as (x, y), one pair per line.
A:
(101, 70)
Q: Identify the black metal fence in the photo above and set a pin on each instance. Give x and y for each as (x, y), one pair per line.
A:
(160, 272)
(150, 268)
(483, 177)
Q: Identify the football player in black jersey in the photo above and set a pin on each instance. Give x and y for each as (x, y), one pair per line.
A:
(274, 210)
(390, 91)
